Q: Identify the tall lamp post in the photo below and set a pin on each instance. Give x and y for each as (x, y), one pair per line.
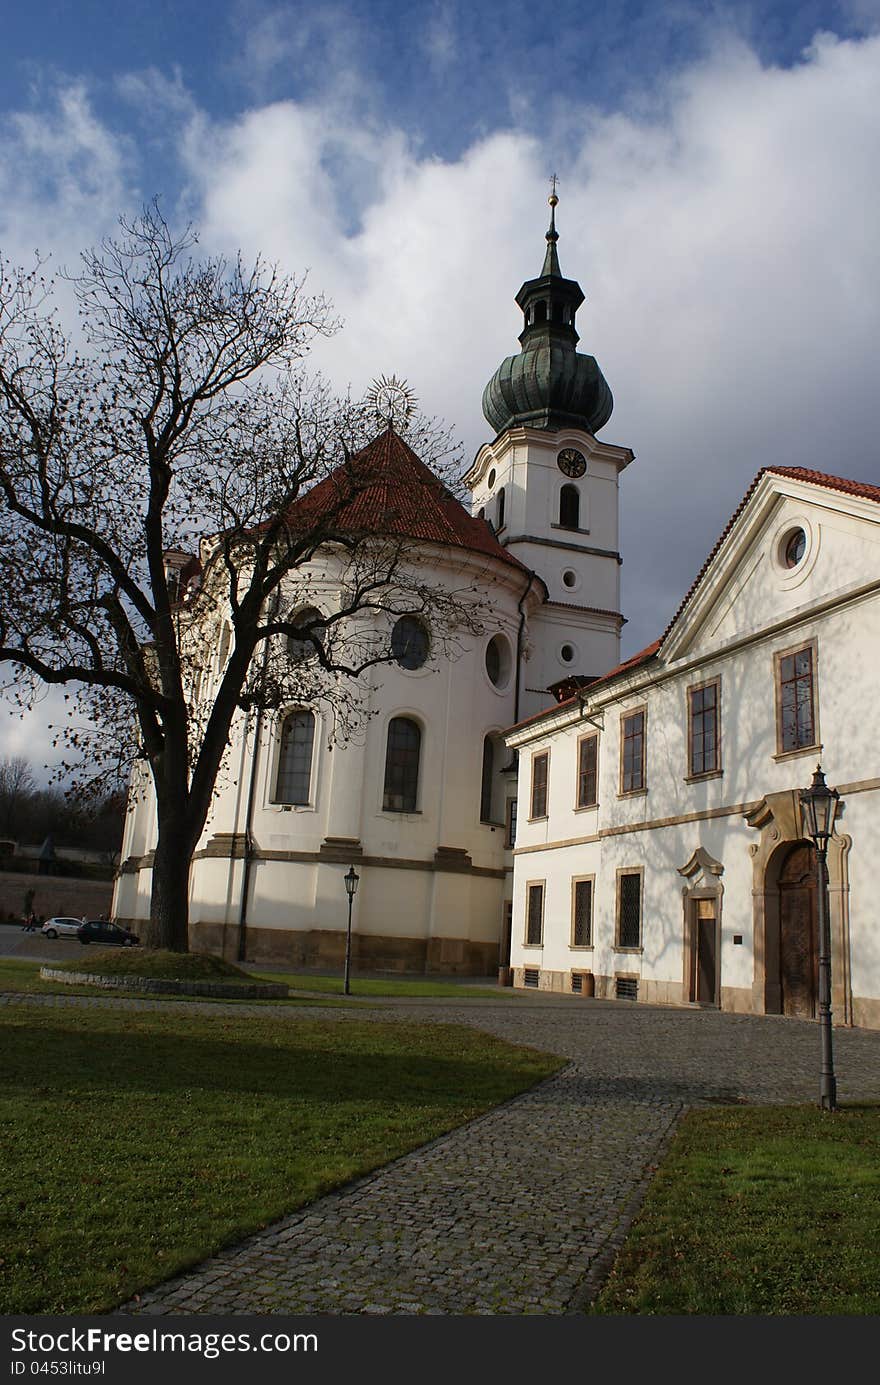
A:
(819, 806)
(351, 883)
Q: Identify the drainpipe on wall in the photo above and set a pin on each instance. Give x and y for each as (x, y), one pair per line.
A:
(519, 645)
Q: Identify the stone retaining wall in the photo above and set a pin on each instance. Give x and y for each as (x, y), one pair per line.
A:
(221, 990)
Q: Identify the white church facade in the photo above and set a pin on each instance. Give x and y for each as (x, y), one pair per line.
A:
(634, 833)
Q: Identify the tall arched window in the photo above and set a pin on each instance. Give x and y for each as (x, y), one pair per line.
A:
(294, 778)
(487, 780)
(569, 507)
(499, 500)
(402, 766)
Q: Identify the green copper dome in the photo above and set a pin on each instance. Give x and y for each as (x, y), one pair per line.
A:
(549, 384)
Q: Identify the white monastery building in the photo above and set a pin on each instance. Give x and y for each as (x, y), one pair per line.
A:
(627, 834)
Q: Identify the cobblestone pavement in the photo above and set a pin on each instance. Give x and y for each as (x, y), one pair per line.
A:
(522, 1210)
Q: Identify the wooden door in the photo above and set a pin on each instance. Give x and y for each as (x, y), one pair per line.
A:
(798, 933)
(705, 952)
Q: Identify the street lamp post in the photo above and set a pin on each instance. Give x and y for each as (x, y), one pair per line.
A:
(819, 806)
(351, 883)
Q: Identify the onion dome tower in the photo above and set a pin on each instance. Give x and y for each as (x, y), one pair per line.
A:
(549, 487)
(549, 384)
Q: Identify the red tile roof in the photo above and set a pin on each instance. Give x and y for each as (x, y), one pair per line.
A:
(387, 489)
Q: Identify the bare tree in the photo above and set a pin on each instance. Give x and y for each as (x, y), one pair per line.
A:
(17, 787)
(179, 427)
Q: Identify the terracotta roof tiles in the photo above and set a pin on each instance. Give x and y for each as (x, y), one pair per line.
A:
(386, 489)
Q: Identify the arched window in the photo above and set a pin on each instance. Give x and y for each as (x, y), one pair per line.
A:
(293, 781)
(304, 648)
(409, 642)
(500, 503)
(486, 782)
(569, 507)
(541, 311)
(402, 766)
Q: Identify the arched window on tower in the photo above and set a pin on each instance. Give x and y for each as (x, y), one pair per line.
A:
(499, 500)
(402, 755)
(569, 507)
(541, 311)
(294, 777)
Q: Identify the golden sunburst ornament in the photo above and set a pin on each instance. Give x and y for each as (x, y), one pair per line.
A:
(393, 401)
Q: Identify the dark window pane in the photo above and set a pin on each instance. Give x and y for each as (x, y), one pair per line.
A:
(535, 914)
(634, 752)
(588, 758)
(409, 642)
(487, 780)
(583, 913)
(569, 507)
(295, 758)
(796, 706)
(630, 910)
(704, 729)
(402, 766)
(539, 786)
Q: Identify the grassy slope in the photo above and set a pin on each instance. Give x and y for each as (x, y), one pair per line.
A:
(136, 1144)
(759, 1211)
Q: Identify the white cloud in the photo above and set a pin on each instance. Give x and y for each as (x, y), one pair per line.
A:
(727, 240)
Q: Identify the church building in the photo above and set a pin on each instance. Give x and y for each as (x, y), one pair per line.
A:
(530, 803)
(421, 801)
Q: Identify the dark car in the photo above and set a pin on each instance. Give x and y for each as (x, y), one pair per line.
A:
(98, 931)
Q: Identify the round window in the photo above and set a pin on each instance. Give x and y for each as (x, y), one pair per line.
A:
(569, 578)
(299, 649)
(566, 653)
(498, 660)
(409, 642)
(794, 547)
(490, 480)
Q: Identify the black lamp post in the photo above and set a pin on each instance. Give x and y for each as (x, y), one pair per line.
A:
(351, 883)
(819, 807)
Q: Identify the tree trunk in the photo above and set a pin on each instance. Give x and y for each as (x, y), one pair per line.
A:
(169, 902)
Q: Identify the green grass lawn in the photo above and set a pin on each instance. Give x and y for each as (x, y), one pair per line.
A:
(22, 977)
(385, 986)
(758, 1211)
(135, 1144)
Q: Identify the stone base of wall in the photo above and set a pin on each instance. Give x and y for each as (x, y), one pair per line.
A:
(734, 999)
(324, 949)
(866, 1013)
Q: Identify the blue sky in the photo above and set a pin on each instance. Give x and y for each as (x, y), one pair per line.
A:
(719, 205)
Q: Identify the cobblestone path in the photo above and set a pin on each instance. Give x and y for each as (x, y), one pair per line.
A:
(522, 1210)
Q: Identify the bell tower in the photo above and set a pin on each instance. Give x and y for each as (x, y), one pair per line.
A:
(549, 487)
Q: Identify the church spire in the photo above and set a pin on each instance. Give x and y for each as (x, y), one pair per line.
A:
(551, 259)
(550, 384)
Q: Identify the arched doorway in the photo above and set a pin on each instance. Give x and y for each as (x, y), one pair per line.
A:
(798, 932)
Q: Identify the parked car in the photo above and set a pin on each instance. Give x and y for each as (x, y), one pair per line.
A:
(61, 928)
(98, 931)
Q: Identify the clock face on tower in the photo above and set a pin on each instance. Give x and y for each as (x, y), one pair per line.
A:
(571, 462)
